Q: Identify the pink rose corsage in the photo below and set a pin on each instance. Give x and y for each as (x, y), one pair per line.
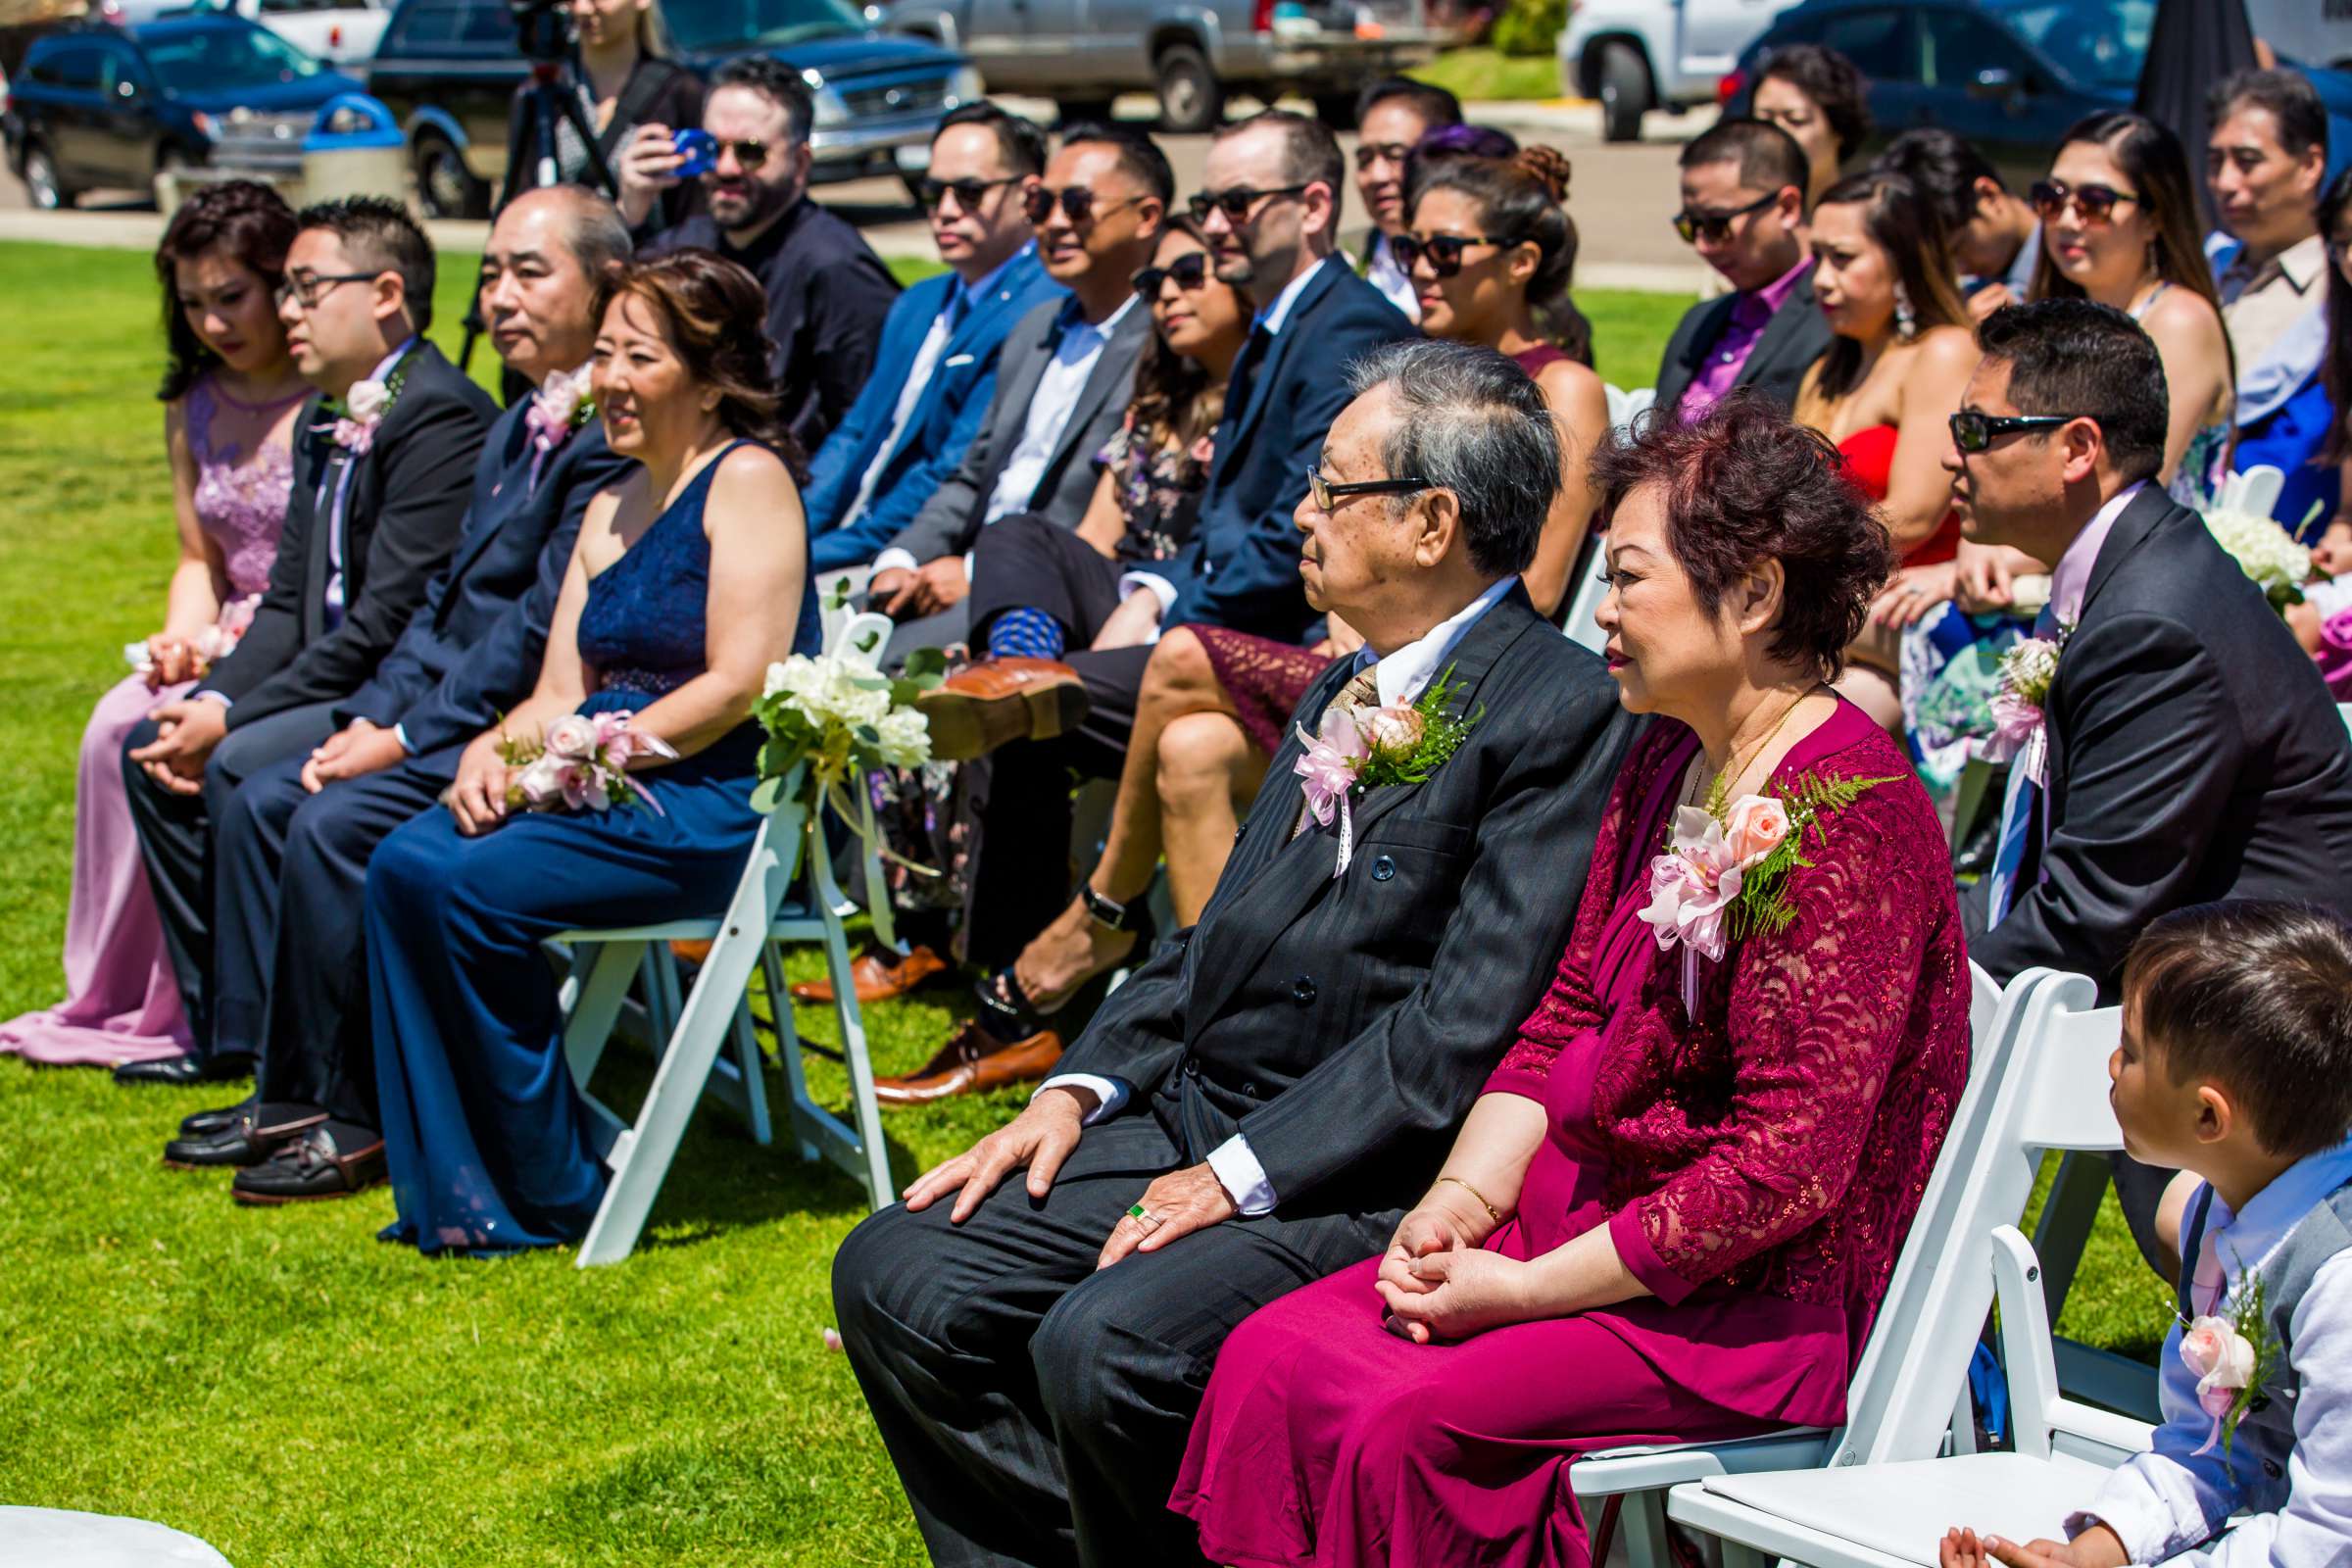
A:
(2027, 667)
(1358, 748)
(583, 761)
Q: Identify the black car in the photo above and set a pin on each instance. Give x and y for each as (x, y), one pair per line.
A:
(113, 107)
(448, 69)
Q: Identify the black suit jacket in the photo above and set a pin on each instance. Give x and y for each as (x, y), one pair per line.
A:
(1795, 337)
(401, 521)
(472, 648)
(1345, 1026)
(2195, 755)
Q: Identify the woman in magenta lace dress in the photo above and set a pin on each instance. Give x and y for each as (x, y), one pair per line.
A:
(1674, 1211)
(230, 399)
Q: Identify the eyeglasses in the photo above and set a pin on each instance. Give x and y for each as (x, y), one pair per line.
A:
(1077, 204)
(1373, 152)
(1445, 251)
(1188, 270)
(1974, 432)
(1715, 227)
(1234, 203)
(2096, 203)
(1327, 494)
(750, 154)
(931, 192)
(308, 291)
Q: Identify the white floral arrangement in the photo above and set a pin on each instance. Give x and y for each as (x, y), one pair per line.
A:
(2264, 551)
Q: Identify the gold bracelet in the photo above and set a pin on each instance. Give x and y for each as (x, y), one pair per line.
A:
(1493, 1212)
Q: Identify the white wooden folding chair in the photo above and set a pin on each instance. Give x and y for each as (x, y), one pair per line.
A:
(1585, 591)
(2344, 711)
(1884, 1501)
(1629, 1484)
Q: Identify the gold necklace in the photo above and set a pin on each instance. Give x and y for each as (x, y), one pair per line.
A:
(1739, 766)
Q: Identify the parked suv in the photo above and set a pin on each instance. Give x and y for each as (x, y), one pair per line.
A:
(1193, 53)
(1640, 55)
(448, 69)
(338, 31)
(114, 106)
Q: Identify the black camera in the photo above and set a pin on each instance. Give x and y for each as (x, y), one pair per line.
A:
(543, 29)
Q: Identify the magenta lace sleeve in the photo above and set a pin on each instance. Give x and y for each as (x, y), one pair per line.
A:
(1816, 1023)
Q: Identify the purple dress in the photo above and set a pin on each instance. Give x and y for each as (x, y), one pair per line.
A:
(121, 1002)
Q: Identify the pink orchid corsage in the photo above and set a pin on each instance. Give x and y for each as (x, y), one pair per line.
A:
(1694, 885)
(1334, 756)
(583, 761)
(2019, 731)
(558, 409)
(209, 646)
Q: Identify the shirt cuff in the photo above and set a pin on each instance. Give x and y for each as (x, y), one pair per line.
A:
(211, 696)
(1161, 589)
(1241, 1176)
(967, 564)
(2126, 1505)
(896, 559)
(400, 733)
(1113, 1092)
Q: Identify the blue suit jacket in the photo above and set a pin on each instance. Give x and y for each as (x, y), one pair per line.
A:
(1240, 566)
(472, 649)
(945, 419)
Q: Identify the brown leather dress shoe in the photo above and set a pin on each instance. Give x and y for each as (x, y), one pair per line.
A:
(985, 705)
(878, 975)
(971, 1064)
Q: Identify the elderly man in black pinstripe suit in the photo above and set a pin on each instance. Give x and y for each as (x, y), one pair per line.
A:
(1257, 1105)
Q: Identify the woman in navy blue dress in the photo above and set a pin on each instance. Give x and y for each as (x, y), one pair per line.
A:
(690, 578)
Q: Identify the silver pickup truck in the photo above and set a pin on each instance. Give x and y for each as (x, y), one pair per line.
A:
(1193, 53)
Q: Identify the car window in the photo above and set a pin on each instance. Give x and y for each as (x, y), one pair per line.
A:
(491, 23)
(2100, 42)
(1956, 48)
(224, 58)
(1878, 42)
(426, 27)
(704, 24)
(77, 68)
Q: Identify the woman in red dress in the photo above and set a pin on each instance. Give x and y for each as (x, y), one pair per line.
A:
(1675, 1210)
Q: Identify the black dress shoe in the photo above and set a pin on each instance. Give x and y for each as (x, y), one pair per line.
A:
(204, 1123)
(180, 1070)
(326, 1161)
(256, 1133)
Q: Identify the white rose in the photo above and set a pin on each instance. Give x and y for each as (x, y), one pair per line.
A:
(367, 400)
(1395, 730)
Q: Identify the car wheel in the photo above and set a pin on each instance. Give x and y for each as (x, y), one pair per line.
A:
(445, 186)
(1624, 92)
(1190, 98)
(1336, 109)
(41, 183)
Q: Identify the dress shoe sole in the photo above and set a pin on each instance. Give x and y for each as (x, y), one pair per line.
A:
(253, 1200)
(963, 726)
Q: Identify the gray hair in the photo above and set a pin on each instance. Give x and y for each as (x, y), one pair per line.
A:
(1470, 421)
(593, 228)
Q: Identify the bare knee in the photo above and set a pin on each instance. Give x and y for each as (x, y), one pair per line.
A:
(1199, 757)
(1179, 678)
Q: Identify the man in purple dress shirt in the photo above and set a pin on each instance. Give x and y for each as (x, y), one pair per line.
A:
(1743, 209)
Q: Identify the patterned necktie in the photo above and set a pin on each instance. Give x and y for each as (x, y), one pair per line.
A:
(2017, 817)
(1362, 691)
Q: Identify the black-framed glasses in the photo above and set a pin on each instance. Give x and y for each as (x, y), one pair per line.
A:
(308, 291)
(1077, 204)
(1188, 271)
(1973, 431)
(2096, 203)
(1235, 202)
(1445, 251)
(1716, 227)
(1327, 494)
(1372, 151)
(968, 192)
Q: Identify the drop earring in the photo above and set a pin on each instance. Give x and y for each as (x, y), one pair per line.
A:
(1906, 322)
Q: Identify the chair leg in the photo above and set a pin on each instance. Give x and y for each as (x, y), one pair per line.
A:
(863, 1104)
(754, 1081)
(788, 1050)
(1740, 1554)
(1643, 1521)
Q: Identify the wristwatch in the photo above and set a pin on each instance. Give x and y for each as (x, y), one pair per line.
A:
(1109, 913)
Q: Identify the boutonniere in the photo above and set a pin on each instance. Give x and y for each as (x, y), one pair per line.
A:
(2232, 1356)
(559, 408)
(1726, 867)
(355, 416)
(1358, 747)
(2019, 728)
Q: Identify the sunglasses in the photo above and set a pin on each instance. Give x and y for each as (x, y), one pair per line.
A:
(2096, 203)
(750, 154)
(1445, 251)
(1974, 432)
(1234, 203)
(1716, 227)
(1077, 204)
(1188, 271)
(1373, 152)
(1327, 495)
(968, 192)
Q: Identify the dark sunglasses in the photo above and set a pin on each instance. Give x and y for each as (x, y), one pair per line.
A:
(1188, 270)
(2096, 203)
(1077, 204)
(931, 192)
(1372, 151)
(1974, 432)
(1234, 203)
(751, 154)
(1327, 494)
(1716, 227)
(1445, 251)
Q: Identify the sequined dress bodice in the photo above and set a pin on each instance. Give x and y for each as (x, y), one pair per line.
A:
(242, 482)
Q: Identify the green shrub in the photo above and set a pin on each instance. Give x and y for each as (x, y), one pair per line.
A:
(1530, 26)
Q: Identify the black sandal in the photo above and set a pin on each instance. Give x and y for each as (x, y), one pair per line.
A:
(1006, 1010)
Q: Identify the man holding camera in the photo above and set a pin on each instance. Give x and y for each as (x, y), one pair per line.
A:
(827, 291)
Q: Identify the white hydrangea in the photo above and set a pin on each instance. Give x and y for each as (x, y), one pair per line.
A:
(906, 738)
(2262, 549)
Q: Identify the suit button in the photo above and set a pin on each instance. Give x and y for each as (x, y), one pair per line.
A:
(1383, 869)
(1192, 1068)
(1303, 991)
(2270, 1467)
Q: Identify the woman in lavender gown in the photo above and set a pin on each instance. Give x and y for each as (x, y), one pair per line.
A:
(230, 400)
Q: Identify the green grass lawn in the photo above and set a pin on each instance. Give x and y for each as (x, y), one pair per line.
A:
(279, 1383)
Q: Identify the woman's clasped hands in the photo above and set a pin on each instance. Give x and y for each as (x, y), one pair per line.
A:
(1439, 1282)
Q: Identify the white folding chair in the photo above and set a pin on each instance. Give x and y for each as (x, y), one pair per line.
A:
(1629, 1484)
(1585, 591)
(762, 914)
(1884, 1499)
(2343, 711)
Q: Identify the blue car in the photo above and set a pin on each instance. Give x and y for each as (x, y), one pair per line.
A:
(113, 107)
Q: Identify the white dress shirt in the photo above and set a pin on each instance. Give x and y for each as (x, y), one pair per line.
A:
(1384, 274)
(1400, 677)
(2164, 1505)
(1075, 354)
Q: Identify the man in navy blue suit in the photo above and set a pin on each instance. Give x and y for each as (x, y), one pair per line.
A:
(294, 841)
(935, 373)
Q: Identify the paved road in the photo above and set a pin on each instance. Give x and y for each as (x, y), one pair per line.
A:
(1621, 199)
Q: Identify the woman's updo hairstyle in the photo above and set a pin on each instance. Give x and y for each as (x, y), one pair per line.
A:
(1745, 483)
(1522, 197)
(714, 315)
(249, 223)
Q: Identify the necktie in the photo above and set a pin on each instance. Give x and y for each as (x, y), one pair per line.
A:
(1245, 371)
(2016, 819)
(1362, 691)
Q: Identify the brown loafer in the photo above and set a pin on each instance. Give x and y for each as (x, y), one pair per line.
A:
(878, 975)
(985, 705)
(318, 1165)
(974, 1063)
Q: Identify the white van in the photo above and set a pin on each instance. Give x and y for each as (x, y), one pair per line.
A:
(1640, 55)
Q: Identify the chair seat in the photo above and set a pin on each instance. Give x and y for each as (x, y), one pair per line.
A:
(1891, 1512)
(40, 1537)
(794, 922)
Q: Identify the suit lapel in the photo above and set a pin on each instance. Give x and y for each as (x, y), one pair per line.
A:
(1114, 371)
(1690, 348)
(512, 491)
(1783, 326)
(1233, 442)
(2148, 511)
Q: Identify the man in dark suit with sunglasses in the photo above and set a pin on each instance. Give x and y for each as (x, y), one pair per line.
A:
(1744, 208)
(827, 291)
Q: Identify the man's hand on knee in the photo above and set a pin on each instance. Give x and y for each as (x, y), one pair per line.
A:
(1176, 1205)
(1040, 1138)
